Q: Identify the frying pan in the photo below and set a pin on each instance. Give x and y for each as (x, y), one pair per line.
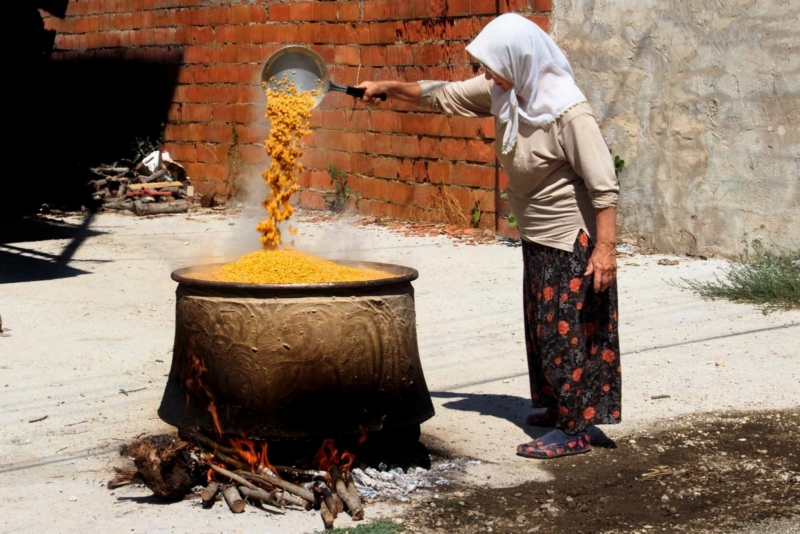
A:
(307, 70)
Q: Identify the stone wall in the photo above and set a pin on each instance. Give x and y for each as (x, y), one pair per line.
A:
(702, 100)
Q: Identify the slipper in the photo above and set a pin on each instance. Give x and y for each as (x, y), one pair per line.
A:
(555, 444)
(545, 418)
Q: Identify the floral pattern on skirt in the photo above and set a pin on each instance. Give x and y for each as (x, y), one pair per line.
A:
(571, 337)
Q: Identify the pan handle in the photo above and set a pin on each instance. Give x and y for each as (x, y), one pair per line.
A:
(358, 92)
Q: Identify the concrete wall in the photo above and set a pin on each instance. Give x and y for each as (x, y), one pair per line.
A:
(701, 98)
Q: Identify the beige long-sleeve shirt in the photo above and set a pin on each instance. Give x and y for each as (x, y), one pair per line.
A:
(559, 174)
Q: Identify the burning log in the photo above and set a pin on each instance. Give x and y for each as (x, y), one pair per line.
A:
(209, 494)
(353, 502)
(269, 480)
(327, 515)
(168, 470)
(234, 500)
(124, 477)
(351, 487)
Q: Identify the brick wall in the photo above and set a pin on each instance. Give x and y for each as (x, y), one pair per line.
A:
(399, 159)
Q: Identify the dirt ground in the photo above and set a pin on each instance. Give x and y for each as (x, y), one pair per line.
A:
(710, 473)
(89, 308)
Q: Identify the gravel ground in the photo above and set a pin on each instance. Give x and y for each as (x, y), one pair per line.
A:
(90, 308)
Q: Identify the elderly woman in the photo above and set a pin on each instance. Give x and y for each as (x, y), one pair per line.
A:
(563, 193)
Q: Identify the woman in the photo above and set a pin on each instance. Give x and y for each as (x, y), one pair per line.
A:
(563, 193)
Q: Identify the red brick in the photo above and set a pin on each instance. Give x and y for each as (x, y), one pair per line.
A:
(484, 199)
(399, 193)
(439, 172)
(541, 5)
(301, 11)
(348, 55)
(457, 8)
(399, 55)
(481, 151)
(383, 121)
(400, 10)
(425, 195)
(454, 149)
(504, 230)
(385, 168)
(467, 175)
(315, 158)
(183, 153)
(361, 164)
(437, 125)
(405, 146)
(195, 171)
(312, 200)
(325, 11)
(479, 7)
(357, 120)
(382, 33)
(340, 160)
(464, 127)
(333, 119)
(320, 180)
(377, 9)
(219, 133)
(280, 12)
(373, 189)
(488, 177)
(502, 180)
(378, 143)
(429, 148)
(542, 22)
(348, 12)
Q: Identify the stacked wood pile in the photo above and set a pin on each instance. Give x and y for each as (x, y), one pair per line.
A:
(171, 468)
(146, 188)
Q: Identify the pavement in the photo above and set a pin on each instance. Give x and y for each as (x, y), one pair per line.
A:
(88, 305)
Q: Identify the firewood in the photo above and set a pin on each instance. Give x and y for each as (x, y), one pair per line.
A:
(293, 500)
(124, 477)
(327, 516)
(327, 498)
(155, 176)
(168, 470)
(260, 496)
(209, 494)
(353, 502)
(156, 185)
(234, 500)
(294, 489)
(153, 208)
(339, 504)
(351, 488)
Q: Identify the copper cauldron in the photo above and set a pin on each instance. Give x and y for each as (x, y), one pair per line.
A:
(298, 360)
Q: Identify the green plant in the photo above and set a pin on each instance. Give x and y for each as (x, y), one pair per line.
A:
(339, 183)
(380, 527)
(144, 145)
(768, 279)
(619, 164)
(512, 222)
(476, 214)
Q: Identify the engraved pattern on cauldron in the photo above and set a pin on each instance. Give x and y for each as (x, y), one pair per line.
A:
(271, 362)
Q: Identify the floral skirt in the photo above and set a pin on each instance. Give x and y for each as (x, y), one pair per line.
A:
(571, 337)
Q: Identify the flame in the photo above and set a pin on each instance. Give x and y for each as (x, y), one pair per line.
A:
(254, 453)
(210, 475)
(328, 456)
(194, 383)
(363, 437)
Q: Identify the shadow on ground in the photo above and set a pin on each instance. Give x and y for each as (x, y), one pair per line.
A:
(19, 263)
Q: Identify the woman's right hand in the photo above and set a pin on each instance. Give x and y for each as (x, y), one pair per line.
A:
(371, 89)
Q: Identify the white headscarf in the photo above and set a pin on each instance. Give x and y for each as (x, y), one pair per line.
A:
(518, 50)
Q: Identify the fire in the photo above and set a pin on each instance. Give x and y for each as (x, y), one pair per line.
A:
(328, 456)
(194, 383)
(253, 453)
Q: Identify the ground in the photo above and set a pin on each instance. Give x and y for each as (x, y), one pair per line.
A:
(88, 306)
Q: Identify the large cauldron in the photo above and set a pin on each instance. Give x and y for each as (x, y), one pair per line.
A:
(296, 361)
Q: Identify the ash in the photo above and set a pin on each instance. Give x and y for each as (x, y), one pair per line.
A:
(396, 484)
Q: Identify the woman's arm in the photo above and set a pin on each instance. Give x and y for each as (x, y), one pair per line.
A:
(470, 98)
(587, 152)
(404, 91)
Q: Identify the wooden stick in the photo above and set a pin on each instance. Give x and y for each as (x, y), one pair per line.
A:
(234, 500)
(209, 493)
(156, 185)
(353, 502)
(294, 489)
(327, 498)
(352, 489)
(327, 515)
(261, 496)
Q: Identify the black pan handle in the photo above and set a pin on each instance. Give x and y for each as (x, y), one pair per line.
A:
(358, 92)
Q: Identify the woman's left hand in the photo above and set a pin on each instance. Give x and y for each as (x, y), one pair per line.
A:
(603, 265)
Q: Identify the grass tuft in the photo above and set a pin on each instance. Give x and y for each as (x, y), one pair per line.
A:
(766, 278)
(379, 527)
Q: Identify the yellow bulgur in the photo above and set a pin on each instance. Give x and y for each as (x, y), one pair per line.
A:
(290, 267)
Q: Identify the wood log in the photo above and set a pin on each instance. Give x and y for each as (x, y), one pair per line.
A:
(327, 498)
(339, 504)
(167, 469)
(157, 208)
(294, 489)
(327, 516)
(234, 500)
(353, 502)
(209, 494)
(352, 489)
(155, 176)
(157, 185)
(261, 496)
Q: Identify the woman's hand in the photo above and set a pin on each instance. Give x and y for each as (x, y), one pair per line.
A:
(371, 89)
(603, 265)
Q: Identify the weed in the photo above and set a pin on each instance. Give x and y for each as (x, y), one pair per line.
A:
(450, 209)
(339, 183)
(619, 164)
(142, 146)
(512, 222)
(765, 278)
(379, 527)
(476, 214)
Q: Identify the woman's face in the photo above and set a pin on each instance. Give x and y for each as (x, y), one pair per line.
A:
(501, 82)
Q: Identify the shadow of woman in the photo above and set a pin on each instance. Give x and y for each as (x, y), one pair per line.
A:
(511, 408)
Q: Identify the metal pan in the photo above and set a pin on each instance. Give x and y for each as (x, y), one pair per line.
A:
(307, 70)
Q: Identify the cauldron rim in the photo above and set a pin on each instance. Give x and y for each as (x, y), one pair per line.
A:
(403, 275)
